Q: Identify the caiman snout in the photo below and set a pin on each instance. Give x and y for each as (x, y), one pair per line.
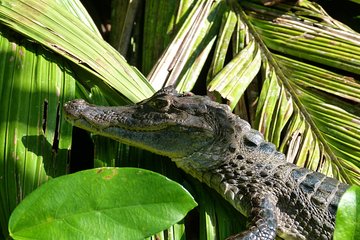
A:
(73, 109)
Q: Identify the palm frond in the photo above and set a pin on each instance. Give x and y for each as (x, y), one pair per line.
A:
(62, 32)
(297, 100)
(184, 58)
(311, 140)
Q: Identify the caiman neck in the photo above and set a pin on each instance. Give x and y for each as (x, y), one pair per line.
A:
(223, 149)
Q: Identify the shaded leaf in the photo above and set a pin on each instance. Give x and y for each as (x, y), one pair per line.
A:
(159, 31)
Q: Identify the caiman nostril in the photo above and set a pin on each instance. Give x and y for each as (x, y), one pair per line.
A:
(72, 109)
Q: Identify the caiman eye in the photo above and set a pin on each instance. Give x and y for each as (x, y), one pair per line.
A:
(159, 103)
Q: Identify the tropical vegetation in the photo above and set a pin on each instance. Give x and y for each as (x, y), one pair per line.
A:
(288, 68)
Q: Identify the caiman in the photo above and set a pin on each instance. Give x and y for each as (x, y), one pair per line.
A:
(209, 142)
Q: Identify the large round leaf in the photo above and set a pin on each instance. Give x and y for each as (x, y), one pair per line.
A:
(348, 215)
(103, 203)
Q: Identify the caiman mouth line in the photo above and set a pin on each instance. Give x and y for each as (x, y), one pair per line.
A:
(83, 122)
(78, 111)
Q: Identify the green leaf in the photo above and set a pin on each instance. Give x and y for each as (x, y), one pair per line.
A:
(232, 81)
(103, 203)
(75, 8)
(34, 138)
(348, 215)
(54, 27)
(158, 32)
(182, 65)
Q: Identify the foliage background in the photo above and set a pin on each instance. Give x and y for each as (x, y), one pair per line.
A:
(291, 71)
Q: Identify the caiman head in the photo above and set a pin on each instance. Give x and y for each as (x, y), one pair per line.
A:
(168, 123)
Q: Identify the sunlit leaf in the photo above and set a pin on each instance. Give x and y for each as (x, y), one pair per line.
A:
(182, 65)
(34, 138)
(232, 81)
(348, 215)
(103, 203)
(54, 27)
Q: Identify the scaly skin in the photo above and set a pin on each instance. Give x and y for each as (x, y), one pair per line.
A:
(218, 148)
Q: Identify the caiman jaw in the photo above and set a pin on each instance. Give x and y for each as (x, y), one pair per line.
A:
(85, 115)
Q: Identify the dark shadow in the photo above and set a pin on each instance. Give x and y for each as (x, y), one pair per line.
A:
(49, 153)
(345, 11)
(82, 151)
